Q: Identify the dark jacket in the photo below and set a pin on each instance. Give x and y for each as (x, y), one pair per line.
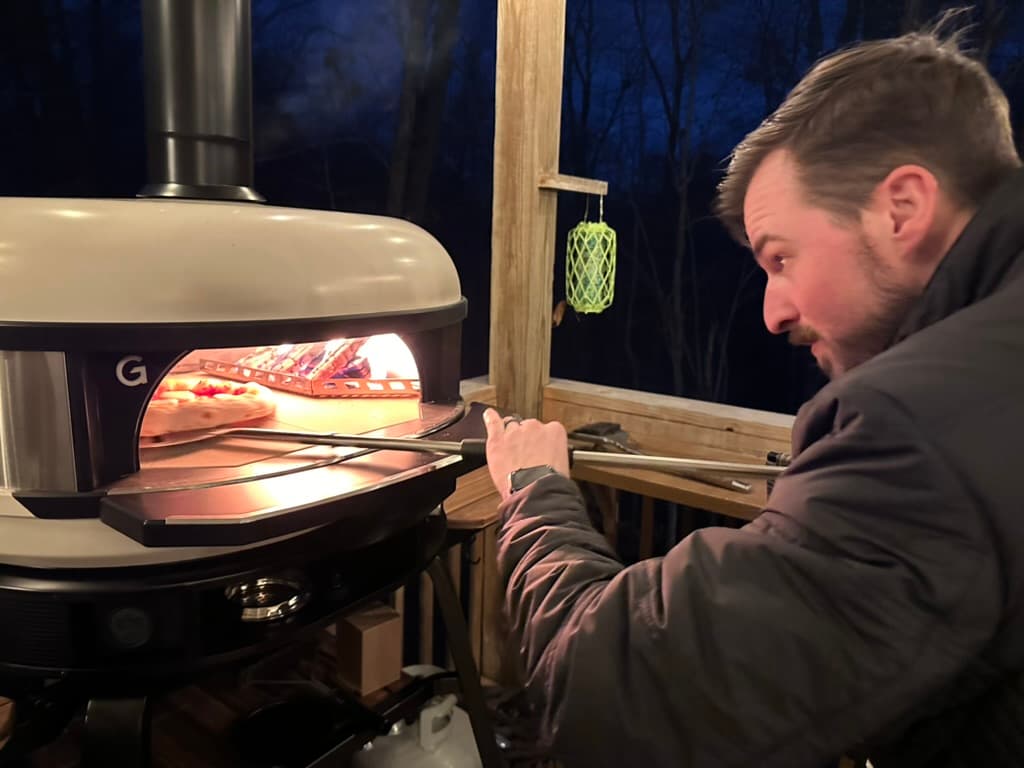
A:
(878, 599)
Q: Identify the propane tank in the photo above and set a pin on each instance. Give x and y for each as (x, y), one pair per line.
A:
(440, 737)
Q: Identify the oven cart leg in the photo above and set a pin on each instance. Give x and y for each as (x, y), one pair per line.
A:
(116, 733)
(465, 667)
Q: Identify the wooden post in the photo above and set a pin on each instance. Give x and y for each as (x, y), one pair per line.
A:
(527, 125)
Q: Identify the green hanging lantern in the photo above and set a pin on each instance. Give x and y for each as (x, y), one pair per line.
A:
(590, 265)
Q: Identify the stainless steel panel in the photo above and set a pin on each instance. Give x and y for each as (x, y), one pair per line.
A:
(36, 448)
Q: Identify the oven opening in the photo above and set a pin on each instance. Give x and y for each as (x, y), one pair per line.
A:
(189, 430)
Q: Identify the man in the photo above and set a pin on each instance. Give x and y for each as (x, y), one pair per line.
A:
(877, 604)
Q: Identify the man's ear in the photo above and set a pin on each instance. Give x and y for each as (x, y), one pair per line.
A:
(908, 198)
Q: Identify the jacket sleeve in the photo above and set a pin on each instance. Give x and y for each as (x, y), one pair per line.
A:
(866, 586)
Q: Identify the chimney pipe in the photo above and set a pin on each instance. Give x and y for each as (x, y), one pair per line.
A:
(198, 94)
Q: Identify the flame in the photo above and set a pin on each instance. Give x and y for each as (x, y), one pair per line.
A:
(389, 357)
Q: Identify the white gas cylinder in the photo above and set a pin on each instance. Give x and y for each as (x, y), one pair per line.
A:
(441, 737)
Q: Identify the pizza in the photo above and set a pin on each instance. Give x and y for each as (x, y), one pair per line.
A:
(187, 405)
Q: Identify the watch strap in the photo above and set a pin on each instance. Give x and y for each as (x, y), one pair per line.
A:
(520, 478)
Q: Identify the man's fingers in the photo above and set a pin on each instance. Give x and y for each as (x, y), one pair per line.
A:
(492, 421)
(556, 428)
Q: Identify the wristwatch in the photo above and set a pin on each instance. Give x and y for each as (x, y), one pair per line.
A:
(520, 478)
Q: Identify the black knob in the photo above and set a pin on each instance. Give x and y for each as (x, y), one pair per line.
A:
(130, 628)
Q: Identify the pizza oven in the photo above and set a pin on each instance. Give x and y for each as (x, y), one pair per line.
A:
(142, 534)
(138, 334)
(121, 374)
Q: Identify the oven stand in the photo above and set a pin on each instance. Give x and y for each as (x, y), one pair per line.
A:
(116, 733)
(465, 666)
(368, 723)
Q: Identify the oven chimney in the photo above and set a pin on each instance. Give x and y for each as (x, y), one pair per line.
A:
(198, 94)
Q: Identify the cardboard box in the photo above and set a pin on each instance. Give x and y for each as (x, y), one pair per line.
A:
(369, 646)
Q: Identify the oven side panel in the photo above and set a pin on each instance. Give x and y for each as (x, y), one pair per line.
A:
(36, 451)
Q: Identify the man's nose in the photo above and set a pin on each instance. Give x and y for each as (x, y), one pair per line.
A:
(779, 313)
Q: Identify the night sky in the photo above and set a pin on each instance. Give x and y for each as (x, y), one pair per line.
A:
(388, 107)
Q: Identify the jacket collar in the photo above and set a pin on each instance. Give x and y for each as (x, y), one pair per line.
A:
(980, 261)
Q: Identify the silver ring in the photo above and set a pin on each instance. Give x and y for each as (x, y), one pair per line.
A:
(512, 420)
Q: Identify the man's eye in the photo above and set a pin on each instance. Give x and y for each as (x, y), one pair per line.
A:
(778, 261)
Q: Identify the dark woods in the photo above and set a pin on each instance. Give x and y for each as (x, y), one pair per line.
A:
(388, 107)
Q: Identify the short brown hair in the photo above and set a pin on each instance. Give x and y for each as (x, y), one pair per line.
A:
(870, 108)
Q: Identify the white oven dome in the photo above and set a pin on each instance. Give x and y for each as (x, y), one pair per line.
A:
(182, 261)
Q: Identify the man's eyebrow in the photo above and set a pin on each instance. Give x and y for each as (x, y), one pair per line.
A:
(763, 240)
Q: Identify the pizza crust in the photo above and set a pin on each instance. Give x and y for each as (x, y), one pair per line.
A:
(176, 408)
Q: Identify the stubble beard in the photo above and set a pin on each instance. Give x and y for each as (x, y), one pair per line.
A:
(892, 302)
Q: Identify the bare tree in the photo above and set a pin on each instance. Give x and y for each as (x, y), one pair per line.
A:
(430, 34)
(37, 54)
(787, 40)
(671, 83)
(689, 298)
(414, 40)
(853, 21)
(695, 330)
(593, 103)
(991, 28)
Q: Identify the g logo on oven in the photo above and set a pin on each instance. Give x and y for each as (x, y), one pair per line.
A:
(131, 375)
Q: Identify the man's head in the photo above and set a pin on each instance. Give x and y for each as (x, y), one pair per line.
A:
(853, 190)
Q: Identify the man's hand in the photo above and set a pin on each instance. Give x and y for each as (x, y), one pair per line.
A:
(513, 444)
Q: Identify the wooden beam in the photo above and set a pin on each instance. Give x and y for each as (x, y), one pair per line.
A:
(527, 124)
(572, 184)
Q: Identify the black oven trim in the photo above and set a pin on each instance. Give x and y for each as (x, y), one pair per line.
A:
(24, 336)
(371, 514)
